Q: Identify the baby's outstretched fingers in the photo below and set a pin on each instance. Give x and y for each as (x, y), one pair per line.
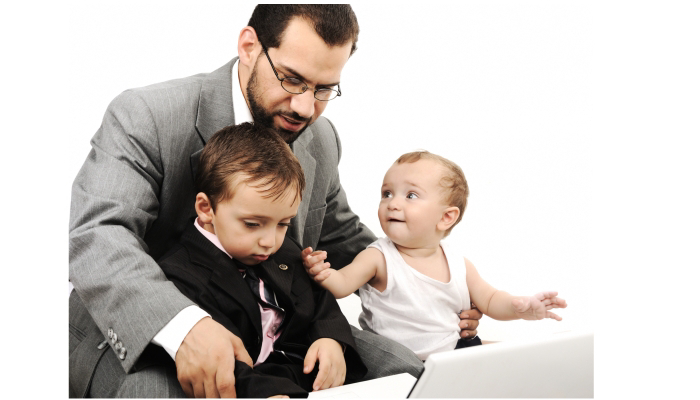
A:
(552, 315)
(559, 303)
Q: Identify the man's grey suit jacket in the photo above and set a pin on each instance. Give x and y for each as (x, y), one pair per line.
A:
(135, 194)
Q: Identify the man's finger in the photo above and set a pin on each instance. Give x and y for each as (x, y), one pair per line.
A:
(199, 391)
(467, 334)
(210, 390)
(186, 387)
(225, 380)
(239, 352)
(466, 324)
(473, 314)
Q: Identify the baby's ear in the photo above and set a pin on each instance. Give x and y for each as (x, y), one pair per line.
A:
(449, 217)
(203, 207)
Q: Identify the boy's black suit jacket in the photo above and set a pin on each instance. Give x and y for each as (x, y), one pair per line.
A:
(205, 274)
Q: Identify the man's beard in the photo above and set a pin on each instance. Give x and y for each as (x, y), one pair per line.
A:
(265, 118)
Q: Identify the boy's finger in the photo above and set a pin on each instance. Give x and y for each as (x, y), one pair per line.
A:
(324, 370)
(310, 359)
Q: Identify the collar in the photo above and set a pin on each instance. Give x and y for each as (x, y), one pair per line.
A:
(212, 237)
(240, 106)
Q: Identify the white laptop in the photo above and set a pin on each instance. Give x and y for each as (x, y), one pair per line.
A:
(559, 365)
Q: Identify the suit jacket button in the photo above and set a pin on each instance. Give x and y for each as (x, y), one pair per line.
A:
(110, 333)
(118, 346)
(122, 353)
(283, 267)
(114, 338)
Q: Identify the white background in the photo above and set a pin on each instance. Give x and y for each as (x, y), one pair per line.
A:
(573, 122)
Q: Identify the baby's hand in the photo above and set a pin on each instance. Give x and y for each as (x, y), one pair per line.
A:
(538, 306)
(315, 265)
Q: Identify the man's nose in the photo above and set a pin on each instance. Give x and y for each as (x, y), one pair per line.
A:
(303, 104)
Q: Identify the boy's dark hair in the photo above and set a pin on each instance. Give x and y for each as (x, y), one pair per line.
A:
(336, 24)
(254, 151)
(452, 181)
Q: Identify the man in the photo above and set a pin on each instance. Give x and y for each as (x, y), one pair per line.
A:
(132, 199)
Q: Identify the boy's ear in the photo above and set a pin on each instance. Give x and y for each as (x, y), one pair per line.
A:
(449, 217)
(203, 207)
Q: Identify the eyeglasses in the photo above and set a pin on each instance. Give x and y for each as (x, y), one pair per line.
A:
(297, 86)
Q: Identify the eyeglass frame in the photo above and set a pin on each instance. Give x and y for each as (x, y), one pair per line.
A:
(306, 86)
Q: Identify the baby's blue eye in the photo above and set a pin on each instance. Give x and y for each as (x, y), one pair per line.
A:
(386, 194)
(411, 195)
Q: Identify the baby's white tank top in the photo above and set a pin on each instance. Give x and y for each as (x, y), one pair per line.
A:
(415, 310)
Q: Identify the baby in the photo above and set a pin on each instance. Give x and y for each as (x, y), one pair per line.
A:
(412, 285)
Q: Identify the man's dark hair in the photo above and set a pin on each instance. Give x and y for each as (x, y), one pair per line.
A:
(251, 152)
(336, 24)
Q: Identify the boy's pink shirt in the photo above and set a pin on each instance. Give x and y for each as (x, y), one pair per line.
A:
(271, 318)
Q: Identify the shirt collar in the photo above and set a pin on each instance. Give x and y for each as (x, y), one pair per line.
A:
(212, 237)
(241, 112)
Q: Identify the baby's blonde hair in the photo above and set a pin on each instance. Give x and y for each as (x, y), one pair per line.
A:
(453, 180)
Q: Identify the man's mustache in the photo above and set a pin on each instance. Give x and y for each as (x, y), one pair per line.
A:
(293, 115)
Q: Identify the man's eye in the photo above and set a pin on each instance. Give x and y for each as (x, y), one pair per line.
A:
(251, 224)
(411, 195)
(293, 81)
(285, 224)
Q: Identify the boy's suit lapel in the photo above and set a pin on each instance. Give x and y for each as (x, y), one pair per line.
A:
(225, 273)
(279, 276)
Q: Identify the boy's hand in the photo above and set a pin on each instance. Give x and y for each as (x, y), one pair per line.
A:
(538, 306)
(331, 363)
(315, 265)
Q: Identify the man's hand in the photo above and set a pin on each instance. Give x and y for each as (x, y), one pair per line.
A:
(469, 320)
(331, 363)
(538, 306)
(315, 265)
(205, 360)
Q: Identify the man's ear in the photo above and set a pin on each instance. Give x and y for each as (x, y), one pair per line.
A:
(203, 207)
(248, 47)
(449, 217)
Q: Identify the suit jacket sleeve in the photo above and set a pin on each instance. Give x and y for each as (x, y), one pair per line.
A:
(114, 201)
(343, 236)
(330, 322)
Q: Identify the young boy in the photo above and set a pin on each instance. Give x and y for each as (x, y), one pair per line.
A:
(412, 285)
(229, 262)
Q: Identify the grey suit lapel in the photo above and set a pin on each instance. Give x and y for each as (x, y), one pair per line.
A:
(215, 109)
(308, 164)
(215, 102)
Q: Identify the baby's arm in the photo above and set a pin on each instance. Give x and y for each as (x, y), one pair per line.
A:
(366, 267)
(500, 305)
